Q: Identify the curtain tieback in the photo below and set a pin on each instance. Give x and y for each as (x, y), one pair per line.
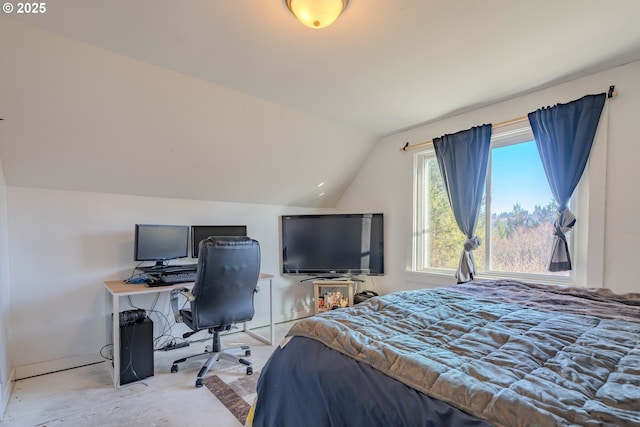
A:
(565, 220)
(472, 243)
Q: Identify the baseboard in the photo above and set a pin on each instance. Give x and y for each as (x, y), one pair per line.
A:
(49, 366)
(294, 316)
(6, 393)
(263, 321)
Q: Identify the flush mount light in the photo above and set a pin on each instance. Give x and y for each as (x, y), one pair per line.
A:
(317, 13)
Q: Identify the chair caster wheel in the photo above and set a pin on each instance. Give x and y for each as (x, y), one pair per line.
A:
(247, 353)
(174, 369)
(198, 383)
(249, 370)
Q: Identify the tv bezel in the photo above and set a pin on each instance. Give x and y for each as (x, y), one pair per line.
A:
(159, 260)
(329, 273)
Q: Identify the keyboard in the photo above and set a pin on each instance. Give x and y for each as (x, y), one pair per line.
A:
(177, 277)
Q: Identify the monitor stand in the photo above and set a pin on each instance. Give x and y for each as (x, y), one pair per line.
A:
(164, 268)
(158, 266)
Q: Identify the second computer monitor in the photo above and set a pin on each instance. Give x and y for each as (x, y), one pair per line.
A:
(201, 232)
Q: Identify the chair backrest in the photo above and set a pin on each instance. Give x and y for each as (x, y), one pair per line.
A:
(226, 281)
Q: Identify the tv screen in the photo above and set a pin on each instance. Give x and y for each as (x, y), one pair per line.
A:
(335, 244)
(154, 242)
(201, 232)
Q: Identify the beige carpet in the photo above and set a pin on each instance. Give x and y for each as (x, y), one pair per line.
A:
(237, 396)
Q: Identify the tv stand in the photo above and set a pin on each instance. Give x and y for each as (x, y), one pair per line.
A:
(343, 278)
(328, 286)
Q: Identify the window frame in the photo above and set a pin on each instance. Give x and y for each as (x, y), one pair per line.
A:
(514, 134)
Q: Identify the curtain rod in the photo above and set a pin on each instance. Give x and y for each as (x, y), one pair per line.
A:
(610, 94)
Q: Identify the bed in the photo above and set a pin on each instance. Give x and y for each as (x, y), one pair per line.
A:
(501, 353)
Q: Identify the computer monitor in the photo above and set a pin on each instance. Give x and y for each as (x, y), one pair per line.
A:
(160, 243)
(201, 232)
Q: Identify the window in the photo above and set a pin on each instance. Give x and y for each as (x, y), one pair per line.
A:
(516, 217)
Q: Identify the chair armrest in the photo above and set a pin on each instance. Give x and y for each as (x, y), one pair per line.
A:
(173, 299)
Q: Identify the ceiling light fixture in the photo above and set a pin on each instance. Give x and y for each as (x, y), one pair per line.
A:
(317, 13)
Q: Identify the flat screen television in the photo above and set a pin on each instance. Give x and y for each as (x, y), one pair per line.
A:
(160, 243)
(201, 232)
(333, 244)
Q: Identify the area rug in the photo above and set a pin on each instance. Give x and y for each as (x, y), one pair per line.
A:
(237, 396)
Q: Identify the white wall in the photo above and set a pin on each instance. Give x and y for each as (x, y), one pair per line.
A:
(385, 181)
(6, 372)
(65, 244)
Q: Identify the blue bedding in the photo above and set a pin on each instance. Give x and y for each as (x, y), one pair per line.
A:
(307, 384)
(505, 352)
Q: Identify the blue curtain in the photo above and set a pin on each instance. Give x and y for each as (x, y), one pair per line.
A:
(564, 135)
(462, 159)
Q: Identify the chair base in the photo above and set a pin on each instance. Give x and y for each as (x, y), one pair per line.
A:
(214, 357)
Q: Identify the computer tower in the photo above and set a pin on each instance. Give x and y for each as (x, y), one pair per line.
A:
(136, 349)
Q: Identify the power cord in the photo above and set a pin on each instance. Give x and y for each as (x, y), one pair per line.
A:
(103, 355)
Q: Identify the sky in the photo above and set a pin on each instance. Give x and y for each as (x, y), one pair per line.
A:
(518, 177)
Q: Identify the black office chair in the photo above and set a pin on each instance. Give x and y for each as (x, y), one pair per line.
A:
(222, 295)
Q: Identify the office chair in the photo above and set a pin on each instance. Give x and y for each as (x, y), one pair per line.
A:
(222, 295)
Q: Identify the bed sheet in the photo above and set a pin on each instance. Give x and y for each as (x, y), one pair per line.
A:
(305, 383)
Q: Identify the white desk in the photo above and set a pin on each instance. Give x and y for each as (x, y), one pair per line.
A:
(116, 289)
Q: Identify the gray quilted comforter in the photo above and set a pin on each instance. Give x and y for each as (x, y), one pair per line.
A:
(510, 353)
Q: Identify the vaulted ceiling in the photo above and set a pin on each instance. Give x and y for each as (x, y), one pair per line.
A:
(237, 101)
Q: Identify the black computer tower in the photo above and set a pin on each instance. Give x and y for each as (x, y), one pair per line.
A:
(136, 350)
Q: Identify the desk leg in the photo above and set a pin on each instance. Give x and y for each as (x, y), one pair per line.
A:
(108, 328)
(271, 326)
(272, 335)
(115, 314)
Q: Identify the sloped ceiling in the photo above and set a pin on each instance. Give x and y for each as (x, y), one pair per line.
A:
(237, 101)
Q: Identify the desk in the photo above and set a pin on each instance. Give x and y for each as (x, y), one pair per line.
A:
(116, 289)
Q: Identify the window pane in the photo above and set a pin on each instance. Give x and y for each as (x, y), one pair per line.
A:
(443, 235)
(522, 211)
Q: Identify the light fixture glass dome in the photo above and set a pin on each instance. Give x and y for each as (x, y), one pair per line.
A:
(317, 13)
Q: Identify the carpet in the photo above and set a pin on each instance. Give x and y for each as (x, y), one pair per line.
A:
(237, 395)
